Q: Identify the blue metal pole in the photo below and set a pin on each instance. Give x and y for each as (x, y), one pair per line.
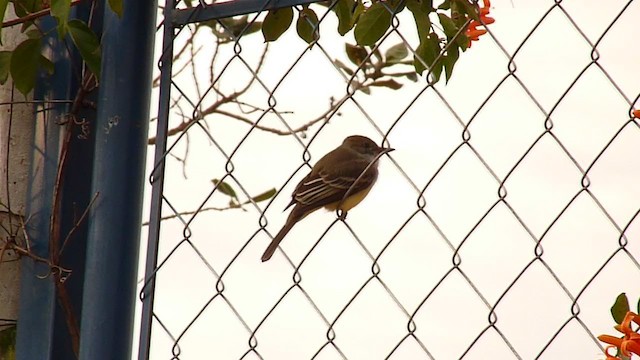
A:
(37, 295)
(118, 176)
(40, 315)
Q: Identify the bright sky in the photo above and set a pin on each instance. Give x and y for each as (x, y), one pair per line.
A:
(450, 306)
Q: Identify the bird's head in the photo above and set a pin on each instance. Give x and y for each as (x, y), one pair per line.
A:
(364, 145)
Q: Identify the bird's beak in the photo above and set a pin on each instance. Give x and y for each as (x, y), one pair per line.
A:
(386, 150)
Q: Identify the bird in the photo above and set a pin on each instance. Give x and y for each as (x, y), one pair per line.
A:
(339, 180)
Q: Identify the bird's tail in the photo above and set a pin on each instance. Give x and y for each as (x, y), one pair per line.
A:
(295, 216)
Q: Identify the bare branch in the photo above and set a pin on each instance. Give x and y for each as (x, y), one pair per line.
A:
(211, 208)
(77, 224)
(156, 80)
(24, 252)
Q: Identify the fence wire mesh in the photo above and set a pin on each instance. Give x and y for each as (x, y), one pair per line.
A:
(503, 226)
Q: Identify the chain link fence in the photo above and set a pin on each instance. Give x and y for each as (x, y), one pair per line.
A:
(503, 226)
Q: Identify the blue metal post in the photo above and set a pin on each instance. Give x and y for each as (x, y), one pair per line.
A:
(118, 176)
(37, 295)
(40, 316)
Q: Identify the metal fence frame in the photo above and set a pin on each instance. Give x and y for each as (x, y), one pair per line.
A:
(178, 19)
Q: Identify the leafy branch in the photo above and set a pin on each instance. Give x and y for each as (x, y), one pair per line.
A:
(26, 60)
(438, 49)
(234, 202)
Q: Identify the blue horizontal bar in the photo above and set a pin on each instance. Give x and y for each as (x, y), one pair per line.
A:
(230, 8)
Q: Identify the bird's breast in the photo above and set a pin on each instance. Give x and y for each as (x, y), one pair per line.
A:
(350, 202)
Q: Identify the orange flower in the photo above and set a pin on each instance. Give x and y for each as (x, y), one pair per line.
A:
(473, 33)
(606, 352)
(636, 114)
(629, 343)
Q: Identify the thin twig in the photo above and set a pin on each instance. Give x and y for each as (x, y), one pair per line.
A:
(225, 99)
(303, 127)
(24, 252)
(77, 224)
(156, 80)
(88, 84)
(211, 208)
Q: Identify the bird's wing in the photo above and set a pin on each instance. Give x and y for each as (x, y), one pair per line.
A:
(326, 186)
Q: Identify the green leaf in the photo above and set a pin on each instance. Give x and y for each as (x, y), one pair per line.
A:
(449, 27)
(24, 65)
(343, 10)
(8, 342)
(238, 26)
(620, 308)
(412, 76)
(396, 53)
(117, 7)
(428, 51)
(420, 13)
(372, 24)
(462, 41)
(233, 204)
(46, 64)
(437, 66)
(26, 7)
(307, 25)
(356, 54)
(34, 34)
(465, 7)
(5, 63)
(87, 43)
(398, 5)
(265, 195)
(343, 67)
(446, 5)
(359, 10)
(3, 9)
(450, 61)
(225, 188)
(390, 83)
(276, 23)
(60, 11)
(253, 28)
